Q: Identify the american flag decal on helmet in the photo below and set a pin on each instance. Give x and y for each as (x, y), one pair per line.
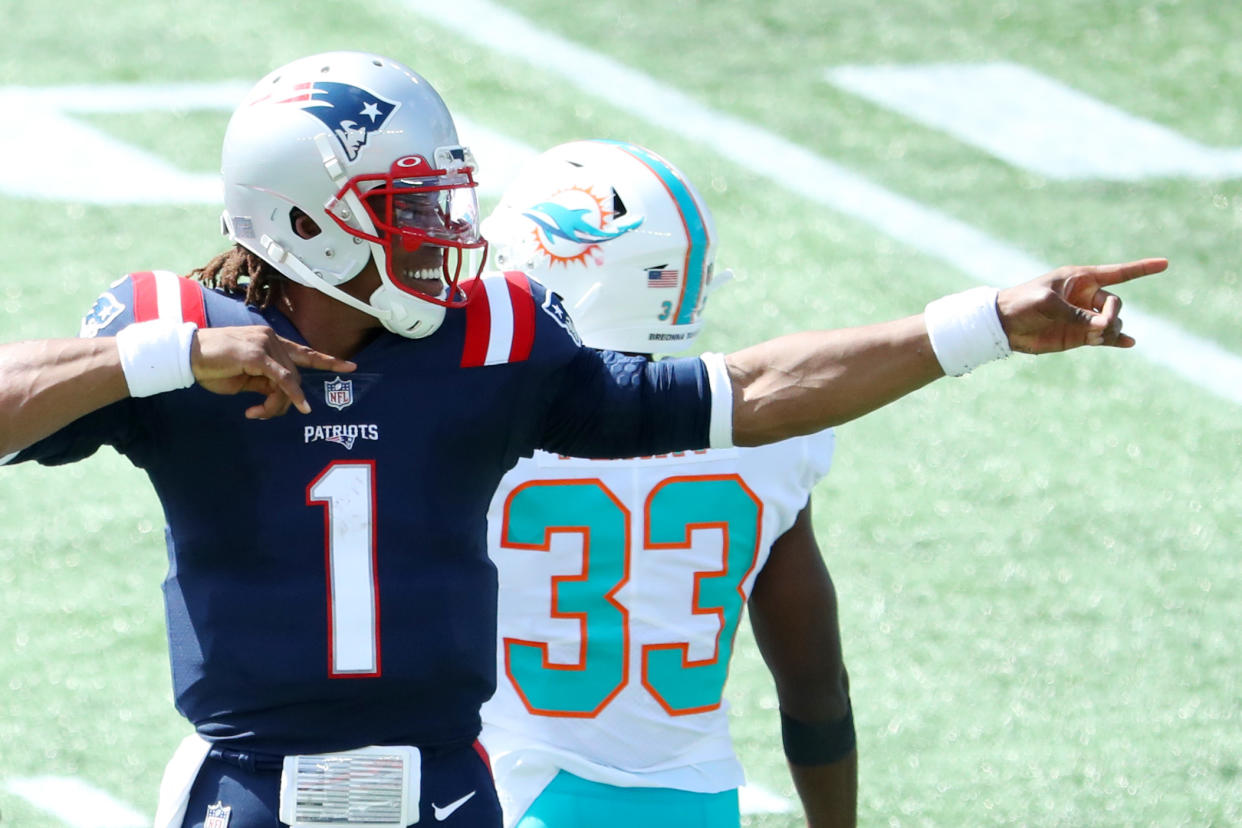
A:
(662, 277)
(500, 320)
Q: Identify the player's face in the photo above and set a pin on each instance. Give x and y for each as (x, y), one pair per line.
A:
(419, 269)
(413, 271)
(414, 264)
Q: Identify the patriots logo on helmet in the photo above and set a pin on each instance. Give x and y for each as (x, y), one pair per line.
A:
(351, 112)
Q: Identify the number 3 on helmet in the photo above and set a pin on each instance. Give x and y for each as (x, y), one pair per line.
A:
(367, 149)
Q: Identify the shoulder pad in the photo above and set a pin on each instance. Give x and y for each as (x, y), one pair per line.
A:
(500, 319)
(162, 294)
(143, 296)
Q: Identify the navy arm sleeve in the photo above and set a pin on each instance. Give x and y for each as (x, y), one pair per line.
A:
(116, 424)
(612, 405)
(125, 424)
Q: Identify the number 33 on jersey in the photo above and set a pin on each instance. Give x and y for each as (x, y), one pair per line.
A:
(621, 587)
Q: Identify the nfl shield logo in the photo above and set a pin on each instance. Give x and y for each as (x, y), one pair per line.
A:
(217, 815)
(339, 393)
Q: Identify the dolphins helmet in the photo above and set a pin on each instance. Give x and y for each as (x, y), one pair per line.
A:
(620, 234)
(367, 149)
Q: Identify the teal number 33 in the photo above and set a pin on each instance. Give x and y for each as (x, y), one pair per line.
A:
(675, 509)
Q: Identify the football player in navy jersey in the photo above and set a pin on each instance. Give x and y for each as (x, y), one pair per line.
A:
(331, 625)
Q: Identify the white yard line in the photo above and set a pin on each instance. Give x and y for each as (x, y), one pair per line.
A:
(76, 803)
(1035, 123)
(73, 161)
(87, 165)
(818, 179)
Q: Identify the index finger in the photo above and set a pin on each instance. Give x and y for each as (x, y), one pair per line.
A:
(287, 382)
(1115, 274)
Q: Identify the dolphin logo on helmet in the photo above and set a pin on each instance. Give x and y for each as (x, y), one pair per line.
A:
(558, 221)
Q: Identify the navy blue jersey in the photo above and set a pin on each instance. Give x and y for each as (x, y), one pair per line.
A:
(329, 585)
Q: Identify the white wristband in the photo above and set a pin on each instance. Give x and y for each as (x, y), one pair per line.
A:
(155, 356)
(720, 431)
(965, 330)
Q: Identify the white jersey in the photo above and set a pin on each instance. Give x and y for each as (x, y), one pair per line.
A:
(622, 583)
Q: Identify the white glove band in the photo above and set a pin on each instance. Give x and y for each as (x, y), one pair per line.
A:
(965, 330)
(155, 356)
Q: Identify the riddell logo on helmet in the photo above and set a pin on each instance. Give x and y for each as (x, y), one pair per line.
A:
(351, 112)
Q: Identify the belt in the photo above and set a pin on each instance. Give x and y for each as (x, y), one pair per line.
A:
(256, 762)
(248, 760)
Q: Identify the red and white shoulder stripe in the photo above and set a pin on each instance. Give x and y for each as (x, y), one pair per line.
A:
(162, 294)
(500, 320)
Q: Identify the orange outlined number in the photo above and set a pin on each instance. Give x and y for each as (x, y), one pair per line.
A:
(674, 511)
(676, 508)
(582, 688)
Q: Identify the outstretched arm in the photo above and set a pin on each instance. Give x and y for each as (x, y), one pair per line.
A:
(805, 382)
(793, 611)
(47, 384)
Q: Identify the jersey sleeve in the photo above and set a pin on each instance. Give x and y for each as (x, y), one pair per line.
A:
(818, 450)
(137, 297)
(613, 405)
(604, 404)
(141, 297)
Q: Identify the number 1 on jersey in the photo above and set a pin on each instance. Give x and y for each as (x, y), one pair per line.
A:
(347, 492)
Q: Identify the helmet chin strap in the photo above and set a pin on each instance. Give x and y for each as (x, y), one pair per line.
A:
(404, 315)
(277, 255)
(407, 315)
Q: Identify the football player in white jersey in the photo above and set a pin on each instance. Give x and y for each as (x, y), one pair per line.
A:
(623, 581)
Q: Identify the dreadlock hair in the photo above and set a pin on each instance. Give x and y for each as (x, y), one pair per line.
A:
(240, 271)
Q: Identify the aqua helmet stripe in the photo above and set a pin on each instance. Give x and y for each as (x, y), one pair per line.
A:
(692, 220)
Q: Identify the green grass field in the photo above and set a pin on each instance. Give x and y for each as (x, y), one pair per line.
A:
(1037, 565)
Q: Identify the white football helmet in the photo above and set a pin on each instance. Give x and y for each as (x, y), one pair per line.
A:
(367, 149)
(620, 234)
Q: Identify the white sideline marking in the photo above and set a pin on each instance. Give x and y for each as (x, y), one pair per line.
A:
(1035, 123)
(76, 803)
(114, 98)
(752, 799)
(72, 161)
(817, 179)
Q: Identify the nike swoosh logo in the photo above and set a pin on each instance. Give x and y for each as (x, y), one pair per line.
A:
(447, 811)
